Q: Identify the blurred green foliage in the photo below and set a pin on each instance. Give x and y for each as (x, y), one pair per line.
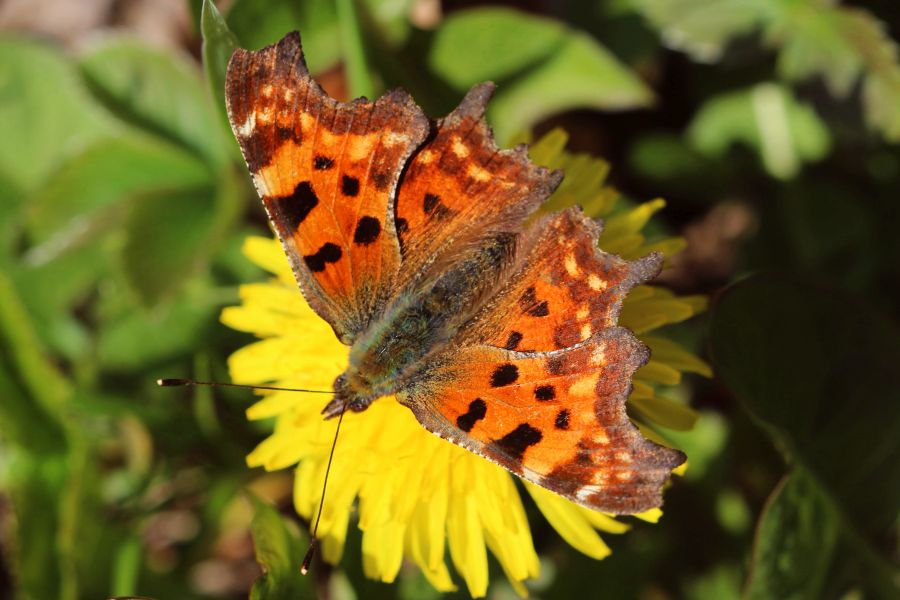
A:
(123, 204)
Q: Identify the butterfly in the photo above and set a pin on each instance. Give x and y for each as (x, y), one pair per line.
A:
(418, 242)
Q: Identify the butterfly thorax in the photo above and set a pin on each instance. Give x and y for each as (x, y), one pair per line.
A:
(420, 324)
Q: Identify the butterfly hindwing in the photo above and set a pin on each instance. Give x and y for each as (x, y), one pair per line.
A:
(564, 291)
(554, 418)
(327, 173)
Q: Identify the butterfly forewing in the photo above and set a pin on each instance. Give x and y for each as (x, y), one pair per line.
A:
(327, 173)
(460, 189)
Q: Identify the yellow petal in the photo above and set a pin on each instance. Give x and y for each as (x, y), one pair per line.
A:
(465, 535)
(651, 516)
(659, 372)
(382, 549)
(676, 356)
(569, 522)
(665, 411)
(668, 247)
(604, 522)
(629, 222)
(267, 254)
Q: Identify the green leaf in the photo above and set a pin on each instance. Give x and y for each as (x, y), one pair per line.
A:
(784, 132)
(20, 343)
(580, 74)
(52, 289)
(157, 91)
(44, 112)
(814, 38)
(11, 201)
(817, 369)
(258, 23)
(839, 44)
(881, 56)
(127, 567)
(391, 19)
(513, 40)
(24, 423)
(34, 488)
(545, 67)
(279, 553)
(795, 541)
(703, 28)
(172, 234)
(130, 339)
(358, 79)
(219, 43)
(76, 201)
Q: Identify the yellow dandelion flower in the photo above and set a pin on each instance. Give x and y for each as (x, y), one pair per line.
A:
(417, 494)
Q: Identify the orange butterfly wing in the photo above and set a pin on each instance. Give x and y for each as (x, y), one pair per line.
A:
(553, 413)
(460, 189)
(327, 173)
(556, 419)
(564, 291)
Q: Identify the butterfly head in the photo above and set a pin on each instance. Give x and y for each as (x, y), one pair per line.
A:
(352, 391)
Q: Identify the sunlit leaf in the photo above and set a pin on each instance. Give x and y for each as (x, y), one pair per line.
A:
(170, 234)
(358, 75)
(218, 45)
(484, 44)
(67, 205)
(703, 28)
(45, 113)
(258, 23)
(544, 67)
(279, 553)
(814, 38)
(157, 91)
(767, 118)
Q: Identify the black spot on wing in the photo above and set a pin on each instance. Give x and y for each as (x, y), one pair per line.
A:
(381, 179)
(556, 365)
(545, 393)
(292, 210)
(539, 310)
(433, 207)
(512, 342)
(367, 231)
(562, 419)
(328, 253)
(429, 203)
(528, 302)
(349, 186)
(322, 163)
(282, 134)
(504, 375)
(517, 441)
(477, 411)
(528, 298)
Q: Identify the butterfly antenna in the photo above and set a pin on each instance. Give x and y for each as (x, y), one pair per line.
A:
(189, 382)
(314, 542)
(311, 552)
